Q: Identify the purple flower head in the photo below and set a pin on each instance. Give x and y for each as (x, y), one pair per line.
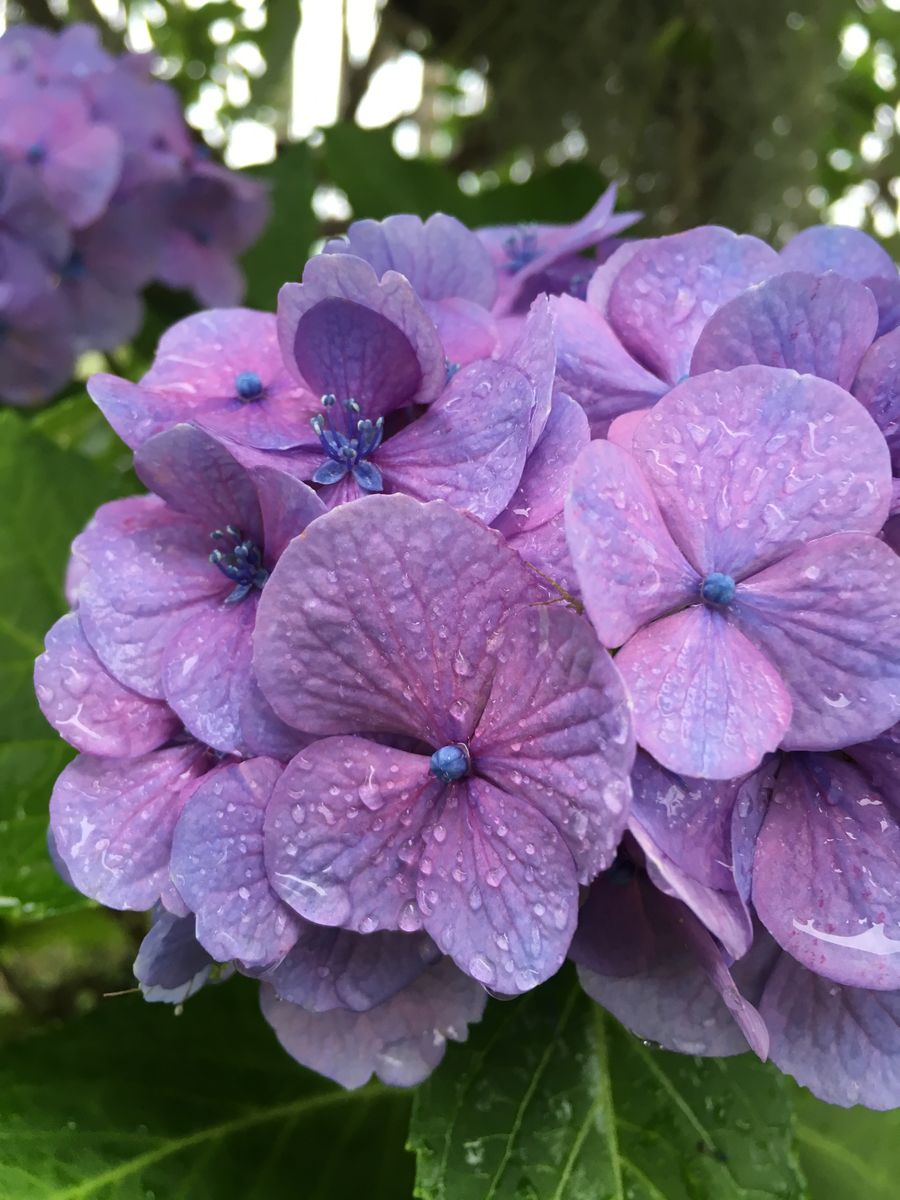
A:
(168, 584)
(222, 369)
(213, 216)
(27, 216)
(70, 56)
(732, 559)
(389, 418)
(414, 621)
(645, 308)
(530, 259)
(77, 160)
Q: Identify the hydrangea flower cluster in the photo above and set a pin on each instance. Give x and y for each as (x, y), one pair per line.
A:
(102, 190)
(477, 617)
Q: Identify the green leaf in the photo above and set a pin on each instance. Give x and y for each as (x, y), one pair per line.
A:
(281, 252)
(551, 1100)
(847, 1153)
(135, 1102)
(46, 496)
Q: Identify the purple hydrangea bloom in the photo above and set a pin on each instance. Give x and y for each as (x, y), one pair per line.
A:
(36, 348)
(732, 559)
(222, 369)
(168, 584)
(530, 259)
(513, 787)
(214, 215)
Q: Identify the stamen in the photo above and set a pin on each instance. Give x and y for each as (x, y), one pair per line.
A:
(718, 589)
(242, 563)
(520, 249)
(451, 763)
(348, 448)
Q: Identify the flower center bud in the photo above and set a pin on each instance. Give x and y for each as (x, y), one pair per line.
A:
(451, 763)
(241, 562)
(35, 154)
(248, 386)
(520, 249)
(348, 445)
(718, 589)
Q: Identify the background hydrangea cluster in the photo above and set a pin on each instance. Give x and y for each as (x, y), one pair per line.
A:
(509, 596)
(102, 190)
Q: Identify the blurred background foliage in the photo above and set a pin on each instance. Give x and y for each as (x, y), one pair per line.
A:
(762, 115)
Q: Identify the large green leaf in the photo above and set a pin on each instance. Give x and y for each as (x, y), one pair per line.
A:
(46, 495)
(135, 1102)
(550, 1100)
(848, 1154)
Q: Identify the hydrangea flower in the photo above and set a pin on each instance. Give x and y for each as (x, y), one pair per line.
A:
(511, 786)
(101, 191)
(732, 559)
(169, 583)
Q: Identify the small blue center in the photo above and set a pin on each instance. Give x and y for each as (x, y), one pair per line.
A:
(74, 268)
(35, 154)
(241, 562)
(718, 589)
(248, 385)
(450, 763)
(520, 249)
(348, 448)
(202, 235)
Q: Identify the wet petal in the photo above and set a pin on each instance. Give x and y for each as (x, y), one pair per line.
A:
(877, 388)
(400, 1041)
(344, 833)
(825, 872)
(839, 248)
(92, 711)
(218, 867)
(171, 965)
(556, 732)
(669, 288)
(112, 821)
(469, 447)
(749, 464)
(345, 331)
(817, 325)
(706, 701)
(329, 660)
(467, 331)
(828, 618)
(497, 888)
(628, 566)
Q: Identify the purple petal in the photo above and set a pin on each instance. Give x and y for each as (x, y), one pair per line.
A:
(344, 331)
(647, 959)
(621, 430)
(81, 174)
(827, 617)
(818, 325)
(688, 819)
(706, 701)
(545, 480)
(92, 711)
(112, 821)
(400, 1041)
(547, 550)
(440, 257)
(196, 475)
(628, 566)
(825, 872)
(287, 506)
(663, 296)
(343, 833)
(887, 296)
(842, 1043)
(498, 888)
(262, 731)
(595, 369)
(467, 331)
(206, 670)
(171, 965)
(333, 968)
(533, 352)
(749, 464)
(846, 251)
(218, 868)
(330, 660)
(877, 388)
(469, 446)
(556, 732)
(144, 571)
